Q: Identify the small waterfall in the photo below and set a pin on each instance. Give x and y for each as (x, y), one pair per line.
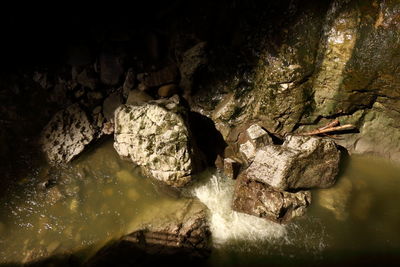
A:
(228, 226)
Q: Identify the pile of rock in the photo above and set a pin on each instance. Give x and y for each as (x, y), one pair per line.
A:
(101, 97)
(274, 177)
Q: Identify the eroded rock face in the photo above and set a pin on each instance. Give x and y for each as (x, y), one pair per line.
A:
(67, 134)
(259, 199)
(155, 136)
(183, 236)
(301, 162)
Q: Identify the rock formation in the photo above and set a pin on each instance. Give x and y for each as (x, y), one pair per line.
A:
(155, 136)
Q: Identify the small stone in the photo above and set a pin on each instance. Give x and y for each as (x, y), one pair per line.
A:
(167, 90)
(79, 93)
(108, 128)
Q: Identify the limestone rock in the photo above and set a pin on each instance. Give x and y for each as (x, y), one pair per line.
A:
(155, 136)
(259, 199)
(66, 135)
(182, 234)
(252, 139)
(301, 162)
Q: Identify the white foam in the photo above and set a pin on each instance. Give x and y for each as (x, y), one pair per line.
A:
(230, 226)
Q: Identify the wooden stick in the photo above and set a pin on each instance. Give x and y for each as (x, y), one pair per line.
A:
(331, 129)
(330, 124)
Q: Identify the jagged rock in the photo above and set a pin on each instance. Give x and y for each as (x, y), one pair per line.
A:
(66, 135)
(259, 199)
(137, 97)
(301, 162)
(181, 234)
(167, 90)
(169, 74)
(155, 136)
(111, 68)
(252, 139)
(111, 103)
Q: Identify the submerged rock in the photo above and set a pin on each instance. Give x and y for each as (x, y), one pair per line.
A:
(259, 199)
(66, 135)
(301, 162)
(155, 136)
(181, 236)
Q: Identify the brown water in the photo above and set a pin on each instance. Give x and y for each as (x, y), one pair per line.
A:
(101, 197)
(98, 198)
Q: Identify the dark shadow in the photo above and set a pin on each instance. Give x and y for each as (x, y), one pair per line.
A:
(208, 138)
(344, 160)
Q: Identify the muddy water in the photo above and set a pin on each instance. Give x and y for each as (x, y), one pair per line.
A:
(101, 197)
(98, 198)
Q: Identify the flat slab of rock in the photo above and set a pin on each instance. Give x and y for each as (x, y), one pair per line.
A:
(300, 163)
(180, 234)
(155, 136)
(66, 135)
(261, 200)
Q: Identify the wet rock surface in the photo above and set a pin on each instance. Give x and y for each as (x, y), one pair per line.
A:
(183, 237)
(301, 162)
(261, 200)
(67, 134)
(155, 136)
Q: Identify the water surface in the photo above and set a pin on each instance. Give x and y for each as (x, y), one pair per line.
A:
(101, 197)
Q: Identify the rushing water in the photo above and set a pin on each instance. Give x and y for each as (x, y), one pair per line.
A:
(100, 197)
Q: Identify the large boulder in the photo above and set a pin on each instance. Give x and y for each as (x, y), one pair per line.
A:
(259, 199)
(67, 134)
(182, 236)
(301, 162)
(155, 136)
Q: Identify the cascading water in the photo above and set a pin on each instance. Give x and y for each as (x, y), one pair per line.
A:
(228, 225)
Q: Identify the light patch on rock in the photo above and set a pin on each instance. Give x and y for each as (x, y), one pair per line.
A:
(155, 136)
(66, 135)
(341, 39)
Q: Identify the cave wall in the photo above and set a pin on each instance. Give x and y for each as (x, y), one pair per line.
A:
(288, 65)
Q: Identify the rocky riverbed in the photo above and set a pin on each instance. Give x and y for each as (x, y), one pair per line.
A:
(274, 95)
